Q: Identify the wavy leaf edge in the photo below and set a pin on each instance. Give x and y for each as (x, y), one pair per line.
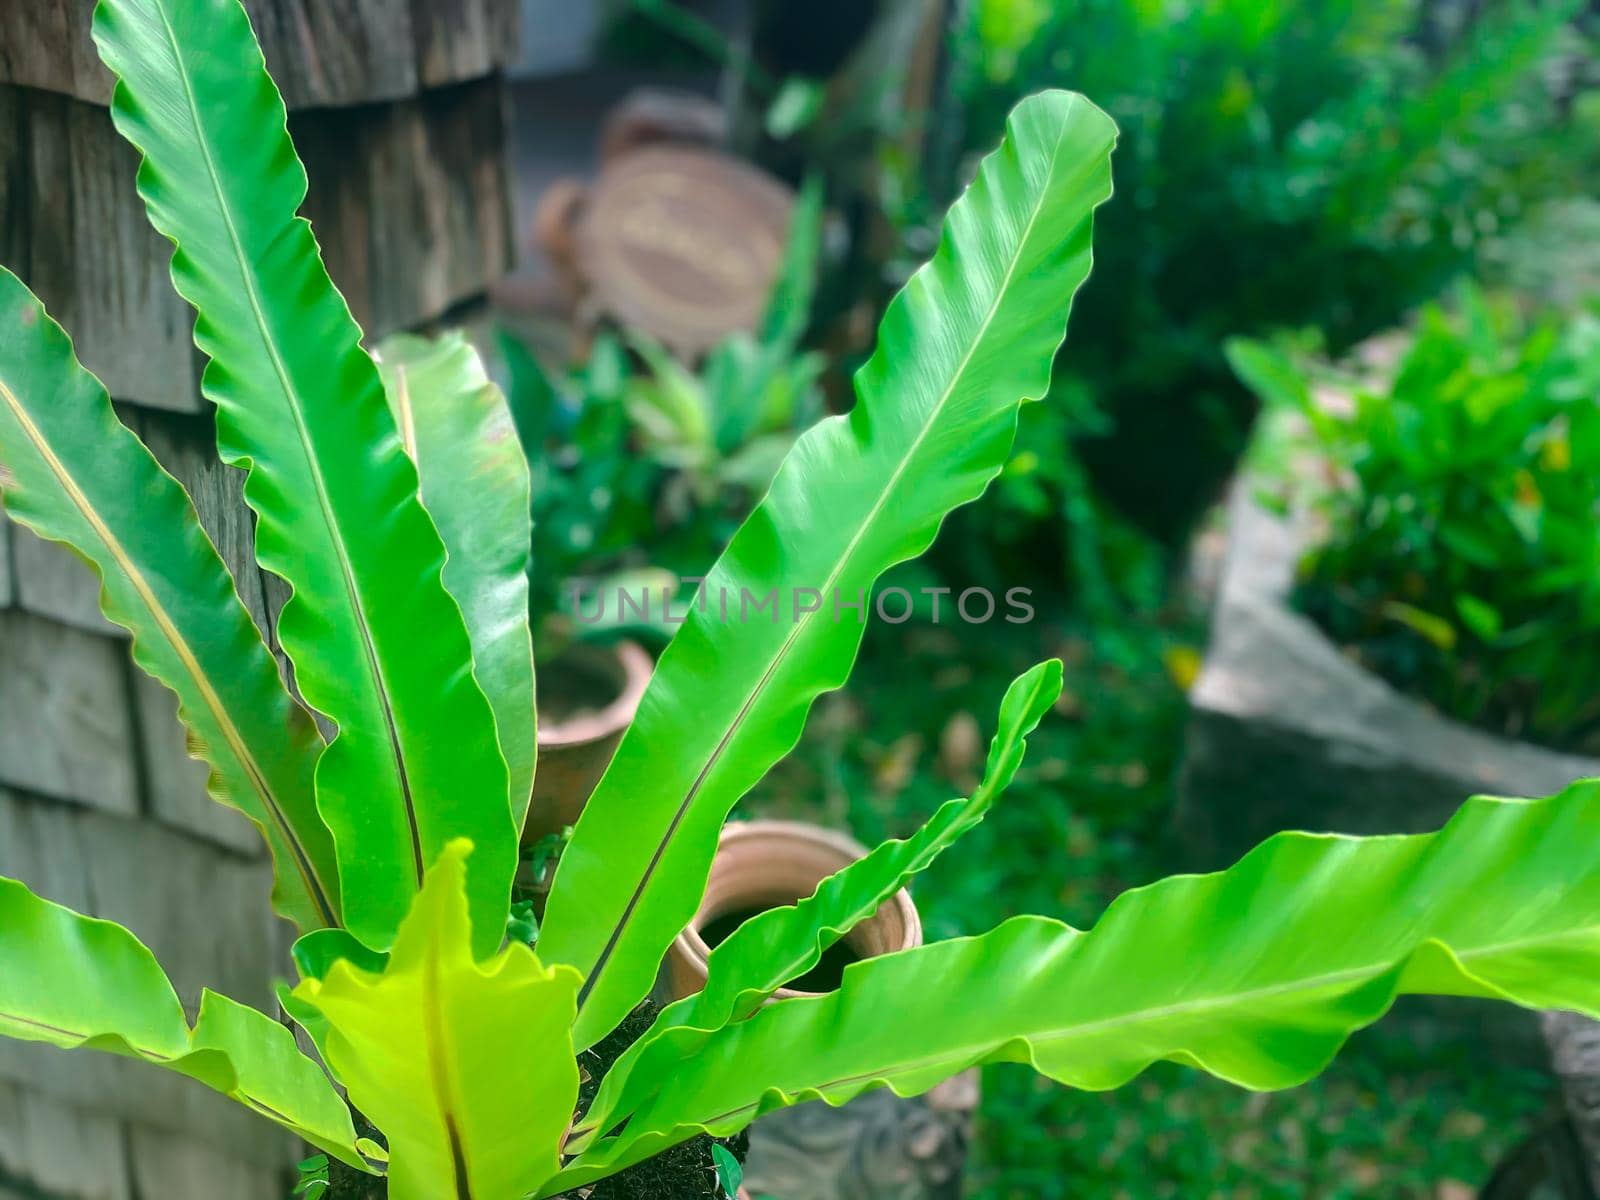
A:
(141, 39)
(1367, 992)
(1026, 701)
(1057, 148)
(204, 1054)
(308, 860)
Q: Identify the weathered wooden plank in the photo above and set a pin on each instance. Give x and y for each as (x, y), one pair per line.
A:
(337, 52)
(15, 181)
(202, 912)
(165, 1164)
(456, 41)
(45, 851)
(505, 29)
(56, 1150)
(65, 729)
(54, 582)
(186, 445)
(119, 1088)
(7, 571)
(209, 925)
(410, 201)
(15, 206)
(176, 783)
(132, 328)
(75, 232)
(322, 52)
(46, 44)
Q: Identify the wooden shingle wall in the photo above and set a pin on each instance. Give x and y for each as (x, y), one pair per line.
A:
(398, 109)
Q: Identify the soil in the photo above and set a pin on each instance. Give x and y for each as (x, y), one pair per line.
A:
(826, 976)
(347, 1183)
(686, 1172)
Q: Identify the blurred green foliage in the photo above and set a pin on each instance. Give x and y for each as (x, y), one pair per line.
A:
(640, 461)
(1045, 524)
(1388, 1119)
(592, 495)
(1461, 495)
(643, 468)
(721, 431)
(1327, 163)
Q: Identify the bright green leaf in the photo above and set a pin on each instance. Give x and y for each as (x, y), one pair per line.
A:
(467, 1066)
(1256, 974)
(730, 1172)
(781, 944)
(72, 472)
(74, 981)
(474, 481)
(795, 106)
(378, 645)
(1269, 373)
(523, 923)
(971, 336)
(316, 952)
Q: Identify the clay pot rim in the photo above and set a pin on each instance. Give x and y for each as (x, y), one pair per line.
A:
(637, 666)
(694, 947)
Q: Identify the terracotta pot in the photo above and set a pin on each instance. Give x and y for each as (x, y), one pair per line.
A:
(763, 864)
(588, 695)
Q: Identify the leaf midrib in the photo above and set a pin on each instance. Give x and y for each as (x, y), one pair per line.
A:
(873, 513)
(295, 406)
(439, 1058)
(749, 996)
(180, 647)
(407, 416)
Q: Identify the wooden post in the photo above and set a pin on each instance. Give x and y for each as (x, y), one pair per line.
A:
(397, 108)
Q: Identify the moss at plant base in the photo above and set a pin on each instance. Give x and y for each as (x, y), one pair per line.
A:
(685, 1172)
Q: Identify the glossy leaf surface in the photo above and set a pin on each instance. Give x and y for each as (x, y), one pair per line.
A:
(1256, 974)
(970, 337)
(379, 646)
(467, 1066)
(73, 473)
(781, 944)
(457, 429)
(74, 981)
